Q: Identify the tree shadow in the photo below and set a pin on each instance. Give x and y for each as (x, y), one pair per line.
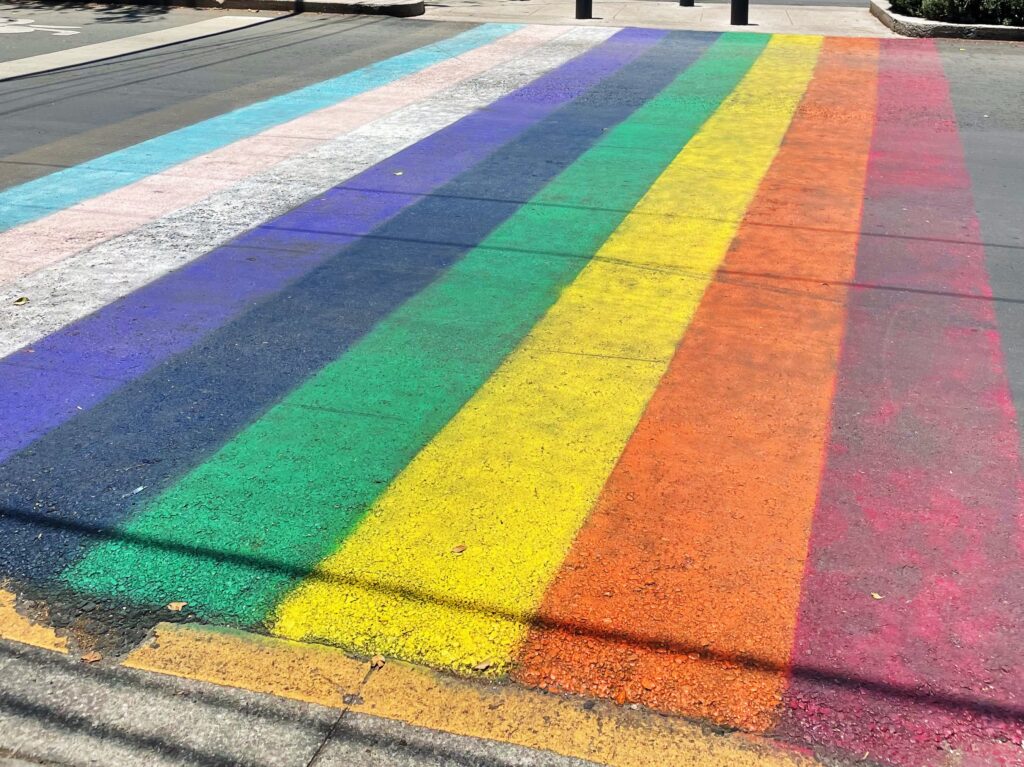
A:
(997, 713)
(205, 743)
(130, 13)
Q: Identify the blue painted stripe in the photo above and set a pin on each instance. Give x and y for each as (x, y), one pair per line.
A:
(43, 196)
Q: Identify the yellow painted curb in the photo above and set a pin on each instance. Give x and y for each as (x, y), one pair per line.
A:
(601, 732)
(17, 628)
(306, 672)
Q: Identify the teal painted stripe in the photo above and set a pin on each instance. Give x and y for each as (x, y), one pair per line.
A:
(43, 196)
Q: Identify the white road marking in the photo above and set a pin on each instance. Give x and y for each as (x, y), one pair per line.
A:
(9, 26)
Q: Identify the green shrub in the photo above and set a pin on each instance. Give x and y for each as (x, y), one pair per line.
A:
(964, 11)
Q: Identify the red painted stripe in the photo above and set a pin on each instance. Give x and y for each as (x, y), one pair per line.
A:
(920, 501)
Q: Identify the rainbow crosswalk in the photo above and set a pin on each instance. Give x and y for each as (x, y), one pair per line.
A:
(547, 353)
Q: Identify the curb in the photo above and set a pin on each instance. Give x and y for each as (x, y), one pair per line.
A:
(594, 730)
(401, 8)
(911, 26)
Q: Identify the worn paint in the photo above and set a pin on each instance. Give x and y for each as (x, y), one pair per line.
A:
(16, 627)
(69, 231)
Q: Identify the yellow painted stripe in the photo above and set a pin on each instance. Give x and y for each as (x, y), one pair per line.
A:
(513, 475)
(17, 628)
(601, 732)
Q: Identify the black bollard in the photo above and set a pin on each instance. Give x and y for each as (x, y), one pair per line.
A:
(740, 12)
(584, 9)
(686, 3)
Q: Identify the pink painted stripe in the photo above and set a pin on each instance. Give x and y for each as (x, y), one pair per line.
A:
(63, 234)
(912, 615)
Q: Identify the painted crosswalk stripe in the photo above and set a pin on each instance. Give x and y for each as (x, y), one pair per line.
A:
(450, 563)
(921, 494)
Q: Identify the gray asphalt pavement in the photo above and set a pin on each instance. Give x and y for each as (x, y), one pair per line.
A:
(55, 120)
(55, 710)
(33, 27)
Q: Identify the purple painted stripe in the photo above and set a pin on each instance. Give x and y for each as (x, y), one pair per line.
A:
(73, 369)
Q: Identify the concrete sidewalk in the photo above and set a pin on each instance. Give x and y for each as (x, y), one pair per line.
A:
(840, 21)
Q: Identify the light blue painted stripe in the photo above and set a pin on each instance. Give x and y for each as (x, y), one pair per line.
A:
(40, 197)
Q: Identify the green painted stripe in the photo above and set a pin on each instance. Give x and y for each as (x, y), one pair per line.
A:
(238, 531)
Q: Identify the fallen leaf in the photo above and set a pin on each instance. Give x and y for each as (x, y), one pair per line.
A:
(876, 595)
(377, 661)
(91, 657)
(459, 549)
(176, 607)
(21, 300)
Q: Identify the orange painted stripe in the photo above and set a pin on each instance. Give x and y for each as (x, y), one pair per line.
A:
(681, 591)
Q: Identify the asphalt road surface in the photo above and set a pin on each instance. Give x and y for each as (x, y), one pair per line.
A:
(672, 369)
(33, 28)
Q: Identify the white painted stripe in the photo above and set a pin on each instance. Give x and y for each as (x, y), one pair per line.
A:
(85, 282)
(50, 239)
(85, 54)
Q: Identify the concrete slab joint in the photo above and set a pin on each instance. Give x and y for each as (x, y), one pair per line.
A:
(911, 26)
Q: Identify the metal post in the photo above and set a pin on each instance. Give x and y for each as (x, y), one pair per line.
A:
(686, 3)
(740, 14)
(584, 9)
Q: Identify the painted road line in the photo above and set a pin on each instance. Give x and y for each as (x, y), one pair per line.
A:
(123, 341)
(69, 231)
(306, 672)
(604, 734)
(910, 610)
(87, 54)
(335, 442)
(16, 627)
(48, 240)
(681, 591)
(233, 374)
(512, 476)
(65, 188)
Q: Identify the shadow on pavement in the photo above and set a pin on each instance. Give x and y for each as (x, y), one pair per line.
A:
(1008, 714)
